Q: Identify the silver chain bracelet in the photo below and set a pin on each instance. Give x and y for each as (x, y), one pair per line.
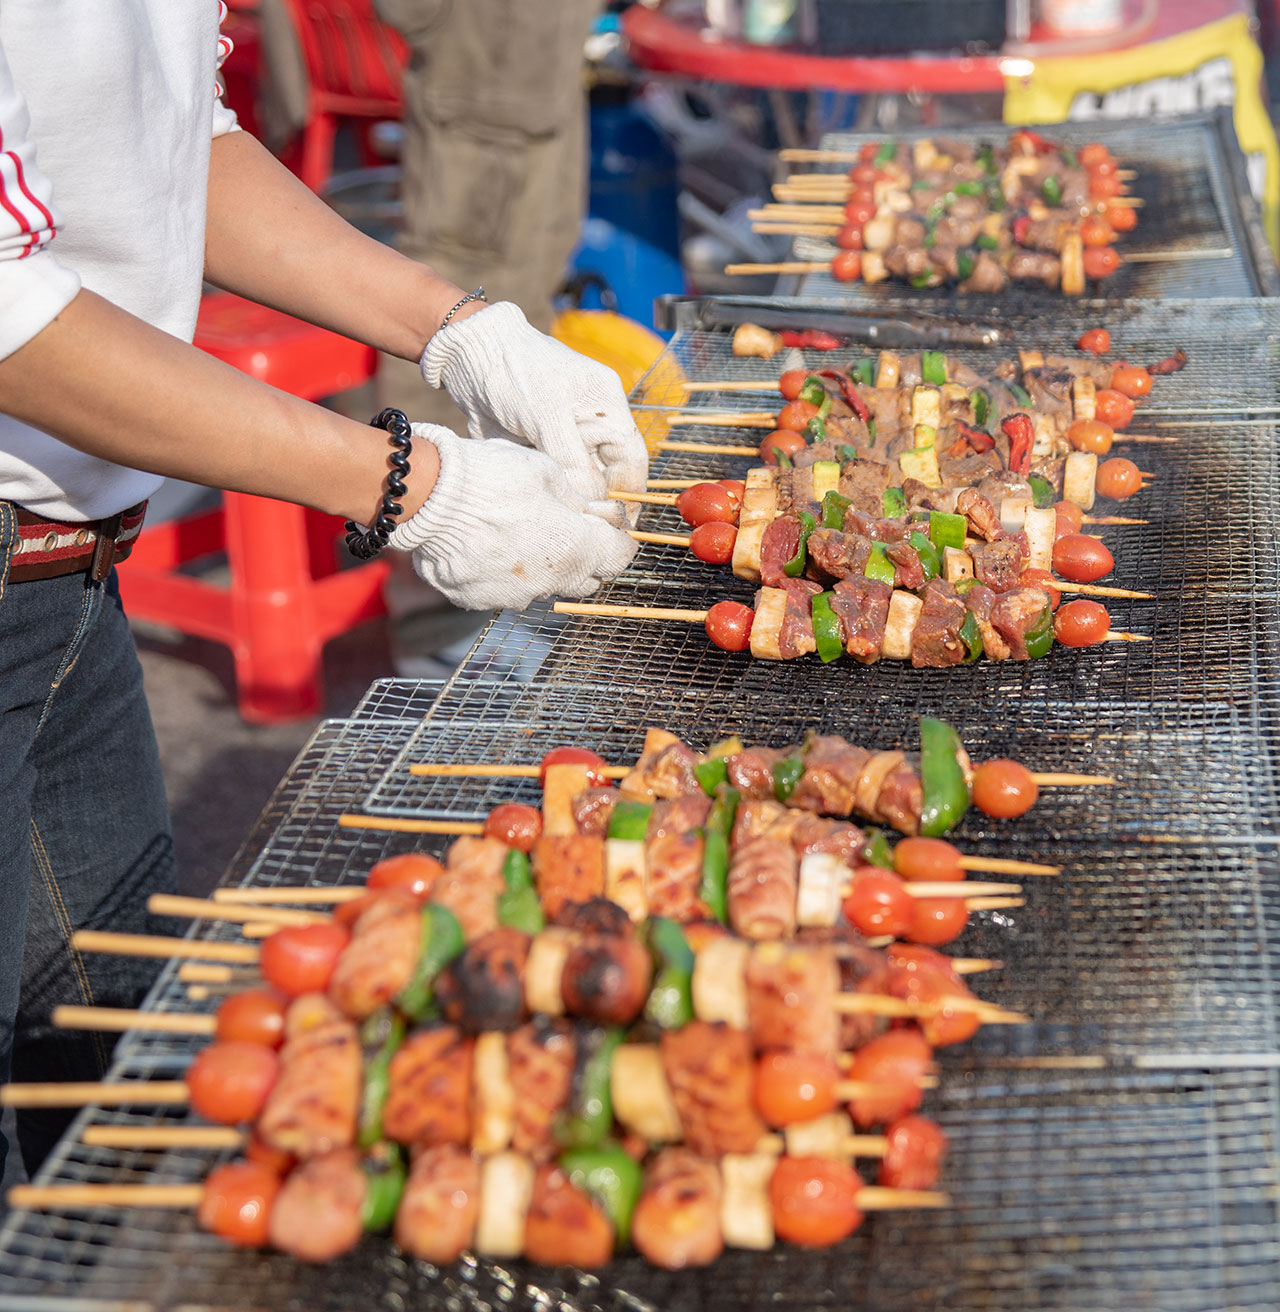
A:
(477, 295)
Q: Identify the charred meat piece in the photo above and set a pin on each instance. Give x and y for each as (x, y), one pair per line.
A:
(763, 876)
(779, 544)
(864, 483)
(1046, 234)
(862, 970)
(1015, 614)
(711, 1073)
(796, 636)
(1050, 391)
(829, 783)
(429, 1082)
(593, 809)
(666, 772)
(988, 276)
(838, 554)
(900, 799)
(436, 1219)
(755, 816)
(563, 1226)
(567, 868)
(483, 987)
(597, 915)
(837, 837)
(876, 527)
(997, 564)
(935, 642)
(379, 960)
(1035, 266)
(318, 1213)
(983, 520)
(313, 1107)
(997, 486)
(1098, 370)
(677, 1220)
(606, 978)
(541, 1057)
(968, 468)
(863, 607)
(907, 569)
(981, 600)
(1051, 469)
(674, 848)
(791, 993)
(471, 883)
(751, 771)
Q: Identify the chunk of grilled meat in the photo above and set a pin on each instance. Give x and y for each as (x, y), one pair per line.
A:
(563, 1226)
(677, 1220)
(436, 1219)
(763, 876)
(472, 882)
(790, 998)
(568, 868)
(318, 1213)
(483, 987)
(379, 960)
(606, 978)
(710, 1071)
(429, 1088)
(541, 1056)
(674, 849)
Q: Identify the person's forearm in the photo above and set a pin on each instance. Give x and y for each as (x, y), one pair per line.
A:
(110, 385)
(272, 240)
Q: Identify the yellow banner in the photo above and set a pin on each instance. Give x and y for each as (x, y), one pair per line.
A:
(1217, 64)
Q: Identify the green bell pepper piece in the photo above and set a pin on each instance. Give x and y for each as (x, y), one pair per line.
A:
(1051, 189)
(933, 367)
(516, 871)
(713, 890)
(833, 507)
(986, 157)
(440, 941)
(814, 392)
(612, 1177)
(871, 429)
(1039, 637)
(786, 775)
(521, 909)
(995, 196)
(930, 235)
(1020, 394)
(885, 154)
(785, 461)
(921, 280)
(981, 405)
(929, 559)
(967, 188)
(947, 530)
(384, 1176)
(795, 566)
(847, 453)
(815, 430)
(879, 566)
(380, 1037)
(864, 371)
(894, 503)
(1042, 494)
(710, 774)
(827, 629)
(988, 242)
(971, 636)
(877, 850)
(630, 820)
(670, 1003)
(946, 793)
(964, 265)
(1068, 156)
(965, 585)
(591, 1116)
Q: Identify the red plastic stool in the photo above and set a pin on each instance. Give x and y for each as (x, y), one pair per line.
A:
(287, 596)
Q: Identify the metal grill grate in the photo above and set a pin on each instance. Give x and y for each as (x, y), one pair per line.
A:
(1191, 179)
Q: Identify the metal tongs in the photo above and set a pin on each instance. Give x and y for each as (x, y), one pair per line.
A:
(876, 327)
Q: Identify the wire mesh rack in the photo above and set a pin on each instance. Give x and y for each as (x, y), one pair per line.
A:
(1196, 204)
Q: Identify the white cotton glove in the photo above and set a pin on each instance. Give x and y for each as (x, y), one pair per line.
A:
(509, 378)
(503, 528)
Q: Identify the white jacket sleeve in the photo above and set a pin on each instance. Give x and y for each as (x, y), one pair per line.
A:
(224, 117)
(34, 286)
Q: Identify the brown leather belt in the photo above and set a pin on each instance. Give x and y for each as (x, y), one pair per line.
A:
(47, 548)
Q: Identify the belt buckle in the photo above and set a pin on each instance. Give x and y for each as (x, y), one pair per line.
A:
(104, 554)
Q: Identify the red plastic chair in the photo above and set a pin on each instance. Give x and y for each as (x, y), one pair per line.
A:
(287, 597)
(354, 63)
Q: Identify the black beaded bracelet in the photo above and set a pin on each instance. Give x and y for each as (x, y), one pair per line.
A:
(364, 544)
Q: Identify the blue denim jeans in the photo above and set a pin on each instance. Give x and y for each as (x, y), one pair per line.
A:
(84, 825)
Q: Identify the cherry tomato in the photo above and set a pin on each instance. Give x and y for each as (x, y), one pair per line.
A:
(878, 903)
(514, 824)
(1131, 379)
(1123, 218)
(1004, 789)
(1042, 579)
(1095, 340)
(1081, 624)
(1113, 408)
(865, 170)
(274, 1159)
(945, 1022)
(814, 1201)
(236, 1203)
(1100, 261)
(850, 238)
(891, 1066)
(794, 1086)
(1091, 153)
(784, 441)
(862, 191)
(937, 920)
(229, 1082)
(596, 765)
(706, 503)
(917, 1146)
(713, 542)
(300, 959)
(909, 958)
(791, 382)
(847, 266)
(860, 211)
(1069, 511)
(795, 414)
(736, 489)
(254, 1016)
(1096, 231)
(1103, 166)
(1090, 435)
(1117, 478)
(1104, 186)
(927, 858)
(414, 873)
(728, 625)
(867, 153)
(1081, 559)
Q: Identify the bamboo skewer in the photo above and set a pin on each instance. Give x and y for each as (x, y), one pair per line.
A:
(116, 1020)
(195, 908)
(162, 1136)
(144, 945)
(153, 1093)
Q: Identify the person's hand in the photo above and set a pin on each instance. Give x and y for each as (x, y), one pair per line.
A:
(502, 528)
(509, 378)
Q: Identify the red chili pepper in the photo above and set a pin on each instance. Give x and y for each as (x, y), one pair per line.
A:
(958, 447)
(1020, 226)
(790, 337)
(1033, 139)
(820, 341)
(1021, 434)
(850, 393)
(1170, 364)
(975, 437)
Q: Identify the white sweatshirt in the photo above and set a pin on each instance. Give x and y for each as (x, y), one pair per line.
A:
(107, 111)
